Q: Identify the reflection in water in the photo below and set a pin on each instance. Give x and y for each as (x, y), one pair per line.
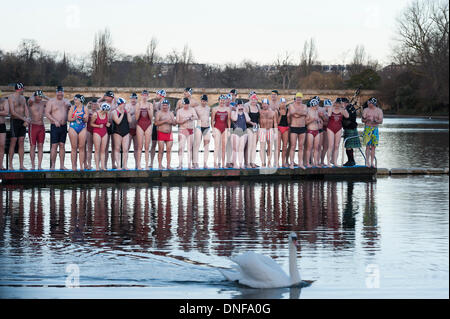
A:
(217, 218)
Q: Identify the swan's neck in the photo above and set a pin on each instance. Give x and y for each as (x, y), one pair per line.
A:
(293, 270)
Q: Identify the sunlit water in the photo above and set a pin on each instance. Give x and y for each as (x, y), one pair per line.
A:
(383, 239)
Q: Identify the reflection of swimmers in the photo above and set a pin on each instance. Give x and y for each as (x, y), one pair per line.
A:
(202, 131)
(164, 121)
(371, 117)
(348, 216)
(370, 216)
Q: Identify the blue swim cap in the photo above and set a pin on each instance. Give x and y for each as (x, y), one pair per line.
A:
(121, 101)
(327, 102)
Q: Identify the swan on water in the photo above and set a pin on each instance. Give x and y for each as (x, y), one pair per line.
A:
(259, 271)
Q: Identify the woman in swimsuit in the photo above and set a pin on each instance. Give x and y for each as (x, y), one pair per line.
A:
(185, 119)
(239, 135)
(283, 136)
(121, 119)
(92, 107)
(220, 122)
(100, 123)
(144, 128)
(313, 134)
(252, 129)
(334, 130)
(78, 116)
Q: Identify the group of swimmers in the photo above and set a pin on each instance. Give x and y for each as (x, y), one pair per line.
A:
(280, 127)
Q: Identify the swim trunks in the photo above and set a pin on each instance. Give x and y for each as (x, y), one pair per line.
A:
(154, 133)
(58, 134)
(371, 136)
(265, 135)
(297, 130)
(2, 128)
(165, 137)
(17, 128)
(186, 131)
(37, 134)
(203, 129)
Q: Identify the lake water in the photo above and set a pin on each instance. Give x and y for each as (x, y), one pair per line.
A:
(383, 239)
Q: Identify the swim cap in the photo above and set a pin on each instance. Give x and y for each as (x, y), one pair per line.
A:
(166, 102)
(109, 93)
(121, 101)
(338, 100)
(186, 101)
(162, 93)
(204, 97)
(189, 90)
(144, 91)
(133, 96)
(18, 86)
(373, 101)
(229, 96)
(59, 88)
(105, 107)
(282, 100)
(239, 102)
(251, 93)
(313, 102)
(276, 92)
(327, 102)
(222, 97)
(265, 101)
(300, 95)
(234, 91)
(345, 100)
(80, 98)
(38, 93)
(254, 97)
(316, 98)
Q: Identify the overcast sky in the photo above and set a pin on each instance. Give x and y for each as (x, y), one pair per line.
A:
(216, 31)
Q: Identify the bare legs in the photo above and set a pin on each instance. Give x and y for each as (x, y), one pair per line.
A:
(54, 153)
(2, 149)
(121, 142)
(239, 142)
(89, 150)
(313, 144)
(143, 139)
(12, 146)
(33, 155)
(251, 146)
(182, 141)
(161, 153)
(198, 136)
(370, 156)
(78, 143)
(294, 138)
(100, 151)
(333, 146)
(220, 143)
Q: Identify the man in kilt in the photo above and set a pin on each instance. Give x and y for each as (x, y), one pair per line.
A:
(350, 130)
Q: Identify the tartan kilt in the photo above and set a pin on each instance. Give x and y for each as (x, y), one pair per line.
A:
(354, 142)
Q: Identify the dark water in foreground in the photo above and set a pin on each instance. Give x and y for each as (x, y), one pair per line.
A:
(384, 239)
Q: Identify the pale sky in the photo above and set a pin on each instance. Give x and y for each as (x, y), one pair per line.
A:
(216, 31)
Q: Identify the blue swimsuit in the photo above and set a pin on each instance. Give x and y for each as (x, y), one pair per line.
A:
(78, 125)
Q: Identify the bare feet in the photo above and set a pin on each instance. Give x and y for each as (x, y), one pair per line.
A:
(292, 166)
(23, 168)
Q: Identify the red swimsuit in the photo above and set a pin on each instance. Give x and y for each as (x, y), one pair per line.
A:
(335, 122)
(100, 130)
(144, 120)
(221, 121)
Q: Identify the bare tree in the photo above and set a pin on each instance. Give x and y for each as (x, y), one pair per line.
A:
(102, 57)
(285, 71)
(308, 58)
(422, 45)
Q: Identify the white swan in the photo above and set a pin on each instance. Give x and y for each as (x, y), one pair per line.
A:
(259, 271)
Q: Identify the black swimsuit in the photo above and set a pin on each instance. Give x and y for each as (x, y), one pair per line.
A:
(283, 120)
(254, 117)
(123, 128)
